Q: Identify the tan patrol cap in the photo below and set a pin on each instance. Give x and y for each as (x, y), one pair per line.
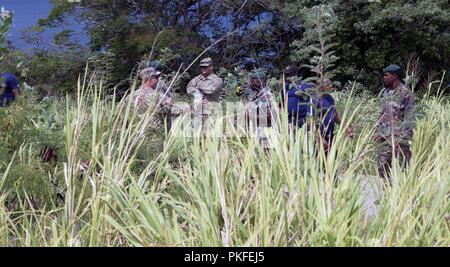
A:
(205, 62)
(149, 72)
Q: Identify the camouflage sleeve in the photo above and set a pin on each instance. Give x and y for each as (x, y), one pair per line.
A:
(213, 86)
(192, 88)
(409, 117)
(163, 88)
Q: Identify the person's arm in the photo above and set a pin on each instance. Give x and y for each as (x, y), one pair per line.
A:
(166, 103)
(16, 92)
(13, 83)
(163, 88)
(408, 123)
(192, 88)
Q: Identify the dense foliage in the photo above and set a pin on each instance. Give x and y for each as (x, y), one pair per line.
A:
(369, 34)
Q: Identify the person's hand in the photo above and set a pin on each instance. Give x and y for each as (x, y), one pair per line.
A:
(350, 133)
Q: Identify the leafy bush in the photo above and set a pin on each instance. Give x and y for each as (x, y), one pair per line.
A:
(28, 126)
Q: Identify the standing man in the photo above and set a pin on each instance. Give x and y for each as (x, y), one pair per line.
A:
(9, 89)
(206, 89)
(259, 107)
(327, 114)
(300, 102)
(396, 121)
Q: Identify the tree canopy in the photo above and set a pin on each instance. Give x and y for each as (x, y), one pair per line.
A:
(367, 34)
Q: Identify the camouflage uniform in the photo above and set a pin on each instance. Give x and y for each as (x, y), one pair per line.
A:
(396, 121)
(260, 111)
(163, 88)
(146, 97)
(209, 88)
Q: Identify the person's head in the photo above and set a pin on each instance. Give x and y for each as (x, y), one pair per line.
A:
(324, 84)
(305, 72)
(258, 80)
(150, 75)
(392, 76)
(291, 71)
(249, 64)
(157, 65)
(206, 67)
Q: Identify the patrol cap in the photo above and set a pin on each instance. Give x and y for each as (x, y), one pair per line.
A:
(157, 65)
(392, 69)
(205, 62)
(149, 72)
(258, 74)
(291, 70)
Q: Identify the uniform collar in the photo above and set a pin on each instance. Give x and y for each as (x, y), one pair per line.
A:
(393, 90)
(207, 78)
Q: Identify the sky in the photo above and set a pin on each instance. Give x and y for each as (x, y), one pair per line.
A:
(26, 14)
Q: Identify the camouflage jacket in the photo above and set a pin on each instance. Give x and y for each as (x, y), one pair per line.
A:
(397, 116)
(145, 98)
(163, 88)
(209, 87)
(259, 106)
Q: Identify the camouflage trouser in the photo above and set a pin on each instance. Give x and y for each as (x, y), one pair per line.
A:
(385, 156)
(204, 118)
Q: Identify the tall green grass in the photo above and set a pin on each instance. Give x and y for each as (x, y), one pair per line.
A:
(226, 191)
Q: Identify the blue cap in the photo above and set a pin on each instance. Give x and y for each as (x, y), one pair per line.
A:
(392, 68)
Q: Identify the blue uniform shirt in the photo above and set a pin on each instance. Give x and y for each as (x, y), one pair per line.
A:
(327, 113)
(299, 105)
(10, 82)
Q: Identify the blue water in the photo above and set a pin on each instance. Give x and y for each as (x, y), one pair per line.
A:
(27, 13)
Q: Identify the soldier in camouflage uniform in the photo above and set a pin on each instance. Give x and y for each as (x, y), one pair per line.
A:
(206, 89)
(150, 95)
(162, 85)
(396, 121)
(259, 107)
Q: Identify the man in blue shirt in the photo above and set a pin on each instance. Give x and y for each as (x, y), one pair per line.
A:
(9, 89)
(327, 113)
(300, 102)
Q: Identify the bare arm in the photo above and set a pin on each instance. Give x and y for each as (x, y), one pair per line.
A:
(16, 92)
(337, 118)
